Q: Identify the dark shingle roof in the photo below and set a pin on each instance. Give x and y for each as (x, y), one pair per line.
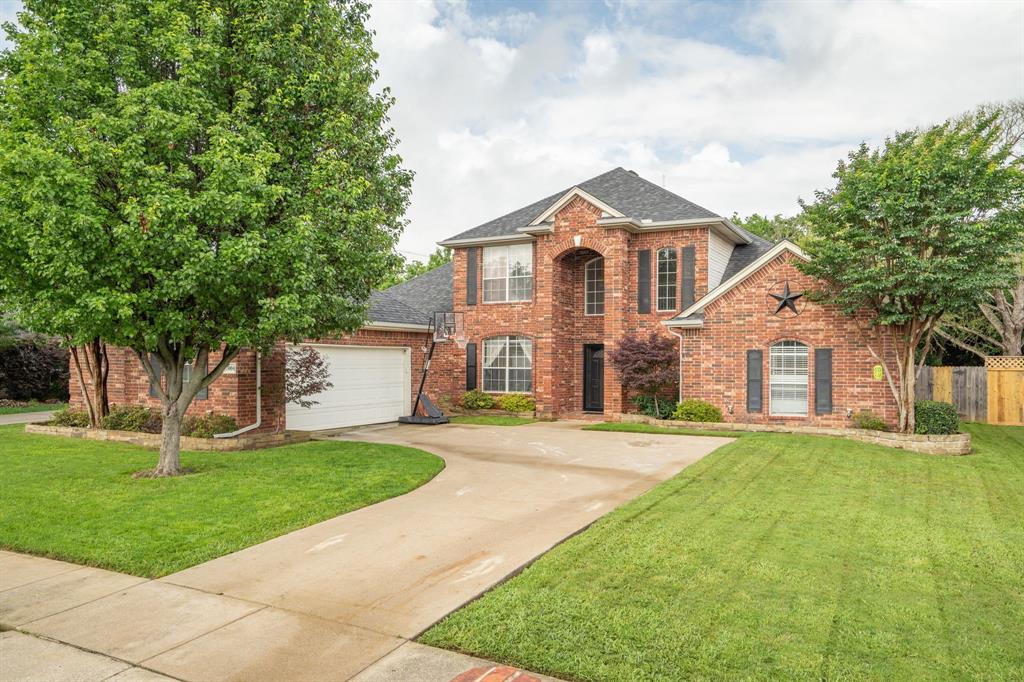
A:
(623, 190)
(412, 301)
(745, 254)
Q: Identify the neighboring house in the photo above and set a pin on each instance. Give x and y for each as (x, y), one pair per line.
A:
(547, 289)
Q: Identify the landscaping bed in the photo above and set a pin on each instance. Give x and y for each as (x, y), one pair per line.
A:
(77, 500)
(152, 440)
(952, 444)
(781, 556)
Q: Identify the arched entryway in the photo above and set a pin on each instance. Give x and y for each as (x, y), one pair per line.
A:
(578, 331)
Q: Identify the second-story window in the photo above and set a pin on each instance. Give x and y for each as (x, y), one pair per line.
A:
(667, 269)
(508, 273)
(593, 287)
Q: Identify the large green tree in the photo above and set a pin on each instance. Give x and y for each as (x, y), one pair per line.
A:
(409, 269)
(189, 179)
(912, 231)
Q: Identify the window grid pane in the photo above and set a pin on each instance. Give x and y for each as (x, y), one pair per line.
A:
(788, 376)
(594, 287)
(508, 364)
(508, 273)
(667, 279)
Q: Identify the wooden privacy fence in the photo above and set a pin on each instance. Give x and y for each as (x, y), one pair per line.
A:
(993, 393)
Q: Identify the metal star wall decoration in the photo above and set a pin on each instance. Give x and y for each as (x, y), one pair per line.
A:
(787, 299)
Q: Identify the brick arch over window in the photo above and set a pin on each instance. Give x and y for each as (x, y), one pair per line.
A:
(568, 245)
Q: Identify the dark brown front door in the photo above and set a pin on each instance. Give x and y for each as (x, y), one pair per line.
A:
(593, 378)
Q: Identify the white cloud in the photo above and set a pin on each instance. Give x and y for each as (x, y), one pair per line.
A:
(501, 110)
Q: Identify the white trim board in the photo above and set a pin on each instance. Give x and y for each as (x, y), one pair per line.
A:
(569, 196)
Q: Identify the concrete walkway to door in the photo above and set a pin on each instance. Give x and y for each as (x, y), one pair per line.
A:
(329, 601)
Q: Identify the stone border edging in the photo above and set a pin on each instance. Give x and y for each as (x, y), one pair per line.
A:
(955, 444)
(152, 440)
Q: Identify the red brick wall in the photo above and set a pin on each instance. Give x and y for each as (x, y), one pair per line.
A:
(714, 358)
(554, 318)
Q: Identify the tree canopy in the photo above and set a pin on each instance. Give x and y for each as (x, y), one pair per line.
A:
(916, 229)
(409, 269)
(180, 177)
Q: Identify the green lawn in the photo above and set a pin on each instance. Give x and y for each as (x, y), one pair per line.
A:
(34, 407)
(782, 557)
(76, 499)
(490, 420)
(670, 430)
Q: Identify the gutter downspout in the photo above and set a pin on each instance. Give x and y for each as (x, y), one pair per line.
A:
(672, 330)
(259, 405)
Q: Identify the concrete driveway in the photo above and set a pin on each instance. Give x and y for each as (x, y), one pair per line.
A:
(333, 599)
(26, 417)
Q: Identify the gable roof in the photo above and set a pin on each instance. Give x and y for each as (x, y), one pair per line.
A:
(745, 254)
(414, 300)
(625, 191)
(694, 315)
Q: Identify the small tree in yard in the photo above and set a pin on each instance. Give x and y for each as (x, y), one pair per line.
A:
(190, 178)
(645, 366)
(305, 375)
(916, 230)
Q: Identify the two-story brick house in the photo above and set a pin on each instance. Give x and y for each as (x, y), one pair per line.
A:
(547, 289)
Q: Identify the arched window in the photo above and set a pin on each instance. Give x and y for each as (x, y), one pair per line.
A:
(788, 379)
(593, 287)
(508, 364)
(667, 271)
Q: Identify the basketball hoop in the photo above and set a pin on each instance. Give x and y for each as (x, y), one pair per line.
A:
(447, 327)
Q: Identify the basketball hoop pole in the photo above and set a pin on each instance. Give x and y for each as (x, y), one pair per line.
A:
(423, 376)
(443, 327)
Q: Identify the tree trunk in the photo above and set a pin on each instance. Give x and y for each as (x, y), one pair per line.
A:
(170, 442)
(97, 366)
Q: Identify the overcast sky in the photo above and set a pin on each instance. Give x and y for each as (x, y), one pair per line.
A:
(740, 106)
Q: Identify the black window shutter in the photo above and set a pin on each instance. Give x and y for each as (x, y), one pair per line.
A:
(688, 259)
(755, 358)
(471, 278)
(822, 380)
(470, 366)
(643, 281)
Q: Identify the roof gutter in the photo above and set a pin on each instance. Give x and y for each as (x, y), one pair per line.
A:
(394, 327)
(477, 241)
(635, 226)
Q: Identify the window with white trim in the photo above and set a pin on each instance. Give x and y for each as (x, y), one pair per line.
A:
(593, 287)
(668, 268)
(508, 364)
(788, 379)
(508, 273)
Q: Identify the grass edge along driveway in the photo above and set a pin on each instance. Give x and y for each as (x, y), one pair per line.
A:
(76, 500)
(778, 557)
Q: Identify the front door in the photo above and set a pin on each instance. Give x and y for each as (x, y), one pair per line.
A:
(593, 378)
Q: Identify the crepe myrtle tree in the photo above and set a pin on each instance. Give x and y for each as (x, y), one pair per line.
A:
(204, 177)
(914, 230)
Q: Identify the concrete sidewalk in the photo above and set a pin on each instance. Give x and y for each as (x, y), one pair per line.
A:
(343, 597)
(25, 417)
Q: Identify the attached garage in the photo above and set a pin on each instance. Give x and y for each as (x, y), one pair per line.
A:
(371, 385)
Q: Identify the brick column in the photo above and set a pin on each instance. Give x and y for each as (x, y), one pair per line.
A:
(616, 311)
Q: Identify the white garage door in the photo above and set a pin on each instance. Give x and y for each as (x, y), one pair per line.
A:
(371, 386)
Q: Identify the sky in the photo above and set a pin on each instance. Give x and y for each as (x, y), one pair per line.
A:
(738, 106)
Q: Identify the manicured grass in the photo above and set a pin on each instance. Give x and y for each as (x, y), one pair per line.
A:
(34, 407)
(76, 499)
(782, 557)
(491, 420)
(672, 431)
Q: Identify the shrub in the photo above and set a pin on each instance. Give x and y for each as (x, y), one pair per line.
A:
(132, 418)
(693, 410)
(207, 425)
(34, 368)
(516, 402)
(645, 403)
(869, 421)
(936, 418)
(476, 400)
(69, 417)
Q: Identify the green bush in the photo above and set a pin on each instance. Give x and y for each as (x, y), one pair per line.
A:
(516, 402)
(207, 425)
(936, 418)
(693, 410)
(869, 421)
(132, 418)
(645, 403)
(69, 417)
(476, 400)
